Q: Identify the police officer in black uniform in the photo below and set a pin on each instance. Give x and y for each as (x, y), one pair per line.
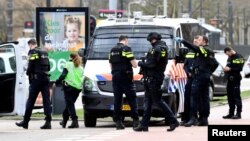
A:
(38, 68)
(233, 68)
(188, 67)
(122, 60)
(202, 70)
(154, 67)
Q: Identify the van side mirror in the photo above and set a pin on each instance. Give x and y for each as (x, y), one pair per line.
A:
(182, 54)
(81, 52)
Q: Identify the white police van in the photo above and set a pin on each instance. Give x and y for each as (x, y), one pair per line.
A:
(97, 95)
(13, 80)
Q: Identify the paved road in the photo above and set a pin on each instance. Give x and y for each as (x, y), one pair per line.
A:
(105, 130)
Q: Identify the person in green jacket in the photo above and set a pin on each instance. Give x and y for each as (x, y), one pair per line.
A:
(72, 80)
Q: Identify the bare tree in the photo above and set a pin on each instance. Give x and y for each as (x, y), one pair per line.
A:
(3, 27)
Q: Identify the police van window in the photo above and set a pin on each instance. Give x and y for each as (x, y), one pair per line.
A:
(190, 30)
(12, 61)
(106, 38)
(178, 45)
(2, 67)
(178, 34)
(7, 61)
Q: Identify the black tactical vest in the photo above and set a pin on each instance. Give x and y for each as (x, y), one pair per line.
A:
(42, 65)
(118, 60)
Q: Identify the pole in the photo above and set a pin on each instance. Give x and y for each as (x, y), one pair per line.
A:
(218, 9)
(122, 7)
(165, 7)
(201, 9)
(230, 22)
(9, 13)
(245, 26)
(48, 2)
(190, 8)
(218, 14)
(81, 3)
(157, 9)
(129, 14)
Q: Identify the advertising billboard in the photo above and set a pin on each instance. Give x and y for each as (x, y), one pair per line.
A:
(61, 30)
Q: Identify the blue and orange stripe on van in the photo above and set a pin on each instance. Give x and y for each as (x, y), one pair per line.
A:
(108, 77)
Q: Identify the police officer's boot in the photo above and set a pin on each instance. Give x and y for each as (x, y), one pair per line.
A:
(141, 128)
(203, 122)
(74, 124)
(237, 116)
(228, 116)
(63, 123)
(24, 124)
(173, 126)
(119, 125)
(136, 123)
(192, 121)
(47, 125)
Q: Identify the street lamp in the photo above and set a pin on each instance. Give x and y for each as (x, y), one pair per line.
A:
(165, 7)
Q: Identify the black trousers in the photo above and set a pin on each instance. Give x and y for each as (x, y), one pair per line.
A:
(200, 95)
(233, 95)
(187, 100)
(122, 84)
(36, 86)
(153, 94)
(70, 95)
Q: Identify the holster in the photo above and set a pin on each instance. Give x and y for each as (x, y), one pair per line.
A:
(129, 74)
(231, 78)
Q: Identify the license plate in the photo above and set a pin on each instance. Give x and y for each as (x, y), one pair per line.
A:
(126, 108)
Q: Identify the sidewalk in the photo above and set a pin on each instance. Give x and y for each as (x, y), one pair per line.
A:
(217, 113)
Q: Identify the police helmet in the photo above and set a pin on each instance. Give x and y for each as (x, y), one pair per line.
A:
(153, 35)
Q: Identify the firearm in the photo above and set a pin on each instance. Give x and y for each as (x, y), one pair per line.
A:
(142, 71)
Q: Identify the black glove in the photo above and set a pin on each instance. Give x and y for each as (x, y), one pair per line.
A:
(58, 82)
(140, 64)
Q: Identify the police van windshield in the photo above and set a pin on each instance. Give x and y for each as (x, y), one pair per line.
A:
(107, 37)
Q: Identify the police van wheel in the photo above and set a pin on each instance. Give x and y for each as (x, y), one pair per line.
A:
(211, 92)
(89, 121)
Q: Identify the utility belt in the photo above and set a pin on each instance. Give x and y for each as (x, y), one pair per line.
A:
(38, 76)
(128, 73)
(123, 71)
(149, 79)
(120, 67)
(234, 77)
(197, 71)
